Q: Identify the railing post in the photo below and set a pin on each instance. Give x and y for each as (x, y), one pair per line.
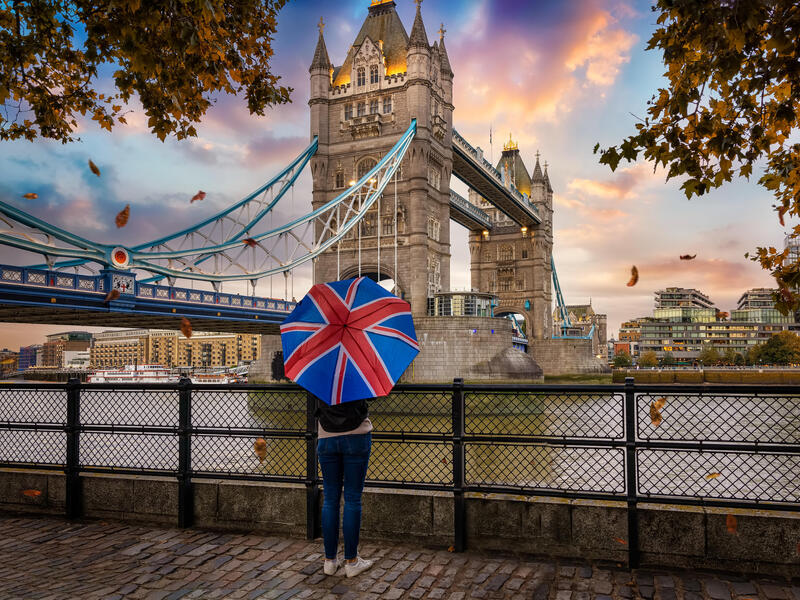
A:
(185, 492)
(313, 523)
(459, 504)
(631, 471)
(73, 499)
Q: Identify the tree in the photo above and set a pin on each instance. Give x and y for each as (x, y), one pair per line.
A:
(175, 56)
(738, 359)
(668, 359)
(622, 359)
(729, 356)
(732, 99)
(709, 356)
(782, 348)
(648, 359)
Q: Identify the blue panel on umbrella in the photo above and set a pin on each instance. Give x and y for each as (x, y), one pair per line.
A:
(354, 384)
(318, 378)
(397, 353)
(341, 287)
(305, 311)
(403, 322)
(292, 339)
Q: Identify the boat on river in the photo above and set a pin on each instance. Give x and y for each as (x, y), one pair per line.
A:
(134, 374)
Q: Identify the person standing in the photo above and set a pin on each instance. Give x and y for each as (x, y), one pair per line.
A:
(343, 447)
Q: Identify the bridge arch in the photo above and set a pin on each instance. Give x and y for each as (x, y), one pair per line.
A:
(370, 269)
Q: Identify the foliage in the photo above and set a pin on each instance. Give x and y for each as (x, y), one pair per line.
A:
(783, 348)
(733, 98)
(622, 359)
(709, 356)
(648, 359)
(729, 356)
(175, 56)
(668, 359)
(738, 360)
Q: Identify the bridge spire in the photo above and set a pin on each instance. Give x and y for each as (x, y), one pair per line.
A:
(418, 37)
(321, 59)
(538, 176)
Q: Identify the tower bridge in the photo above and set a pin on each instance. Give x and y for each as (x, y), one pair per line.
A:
(381, 155)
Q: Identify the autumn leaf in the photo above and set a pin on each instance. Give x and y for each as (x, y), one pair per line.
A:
(634, 277)
(730, 523)
(453, 548)
(688, 256)
(94, 168)
(621, 541)
(722, 314)
(186, 327)
(30, 196)
(660, 403)
(32, 493)
(782, 211)
(201, 195)
(122, 218)
(655, 411)
(250, 242)
(260, 448)
(112, 295)
(712, 475)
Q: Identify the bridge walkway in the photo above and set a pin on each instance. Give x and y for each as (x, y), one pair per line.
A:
(49, 558)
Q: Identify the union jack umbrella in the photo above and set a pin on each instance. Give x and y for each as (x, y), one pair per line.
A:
(348, 340)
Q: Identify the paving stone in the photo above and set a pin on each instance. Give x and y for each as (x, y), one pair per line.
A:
(564, 595)
(667, 593)
(602, 587)
(457, 596)
(646, 591)
(407, 580)
(339, 588)
(541, 592)
(774, 592)
(417, 593)
(716, 589)
(393, 593)
(437, 593)
(744, 588)
(496, 582)
(691, 585)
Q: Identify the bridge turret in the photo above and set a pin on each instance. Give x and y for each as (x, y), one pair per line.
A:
(418, 61)
(320, 78)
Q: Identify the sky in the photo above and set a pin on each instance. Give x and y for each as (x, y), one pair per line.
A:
(557, 76)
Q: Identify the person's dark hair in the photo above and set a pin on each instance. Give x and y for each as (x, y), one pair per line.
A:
(342, 417)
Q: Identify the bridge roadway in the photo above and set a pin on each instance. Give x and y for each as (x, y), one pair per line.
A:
(29, 295)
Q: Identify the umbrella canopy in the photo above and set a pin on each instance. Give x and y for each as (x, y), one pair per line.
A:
(348, 340)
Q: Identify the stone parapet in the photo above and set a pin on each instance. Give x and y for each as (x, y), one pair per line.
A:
(566, 357)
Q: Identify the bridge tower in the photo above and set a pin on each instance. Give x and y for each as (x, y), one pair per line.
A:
(359, 110)
(514, 263)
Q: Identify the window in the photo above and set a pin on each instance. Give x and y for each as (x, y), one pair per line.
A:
(388, 225)
(373, 74)
(362, 109)
(387, 105)
(506, 253)
(348, 112)
(434, 177)
(361, 75)
(339, 179)
(364, 166)
(433, 228)
(524, 254)
(373, 107)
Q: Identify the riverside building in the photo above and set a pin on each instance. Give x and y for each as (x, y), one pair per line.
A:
(685, 321)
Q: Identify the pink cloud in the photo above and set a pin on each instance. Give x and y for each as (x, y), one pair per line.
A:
(623, 183)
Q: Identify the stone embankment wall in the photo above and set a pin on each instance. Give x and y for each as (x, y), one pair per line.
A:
(744, 376)
(669, 535)
(566, 357)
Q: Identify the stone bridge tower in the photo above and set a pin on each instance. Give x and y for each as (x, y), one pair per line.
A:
(359, 110)
(513, 263)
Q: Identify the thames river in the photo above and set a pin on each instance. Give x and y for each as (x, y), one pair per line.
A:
(489, 461)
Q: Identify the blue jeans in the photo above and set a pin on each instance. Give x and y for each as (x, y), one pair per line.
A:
(343, 460)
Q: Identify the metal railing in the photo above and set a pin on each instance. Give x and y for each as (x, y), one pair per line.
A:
(715, 445)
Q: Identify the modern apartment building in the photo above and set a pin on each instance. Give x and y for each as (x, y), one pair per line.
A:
(58, 343)
(29, 356)
(685, 320)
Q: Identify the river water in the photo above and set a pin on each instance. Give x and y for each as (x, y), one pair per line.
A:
(279, 418)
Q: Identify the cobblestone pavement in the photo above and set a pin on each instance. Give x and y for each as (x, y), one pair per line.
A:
(48, 558)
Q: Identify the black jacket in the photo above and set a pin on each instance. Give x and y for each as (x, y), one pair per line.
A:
(342, 417)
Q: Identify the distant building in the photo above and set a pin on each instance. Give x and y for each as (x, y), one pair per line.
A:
(685, 320)
(9, 360)
(172, 349)
(57, 343)
(582, 318)
(29, 356)
(461, 304)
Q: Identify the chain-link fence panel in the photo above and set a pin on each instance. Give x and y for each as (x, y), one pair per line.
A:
(249, 455)
(561, 415)
(537, 466)
(33, 406)
(263, 410)
(409, 462)
(726, 475)
(711, 418)
(412, 412)
(145, 408)
(129, 451)
(33, 447)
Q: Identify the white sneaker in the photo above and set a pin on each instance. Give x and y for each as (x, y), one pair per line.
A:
(331, 566)
(355, 568)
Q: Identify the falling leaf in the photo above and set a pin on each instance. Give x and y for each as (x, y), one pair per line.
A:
(655, 415)
(30, 196)
(201, 195)
(186, 327)
(688, 256)
(251, 242)
(621, 541)
(94, 168)
(634, 277)
(712, 475)
(122, 217)
(660, 403)
(730, 523)
(260, 448)
(782, 211)
(112, 295)
(444, 461)
(722, 314)
(453, 548)
(32, 493)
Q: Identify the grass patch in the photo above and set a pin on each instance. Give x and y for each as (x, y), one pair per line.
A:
(579, 379)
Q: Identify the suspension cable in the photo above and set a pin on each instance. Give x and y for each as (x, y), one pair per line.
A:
(396, 289)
